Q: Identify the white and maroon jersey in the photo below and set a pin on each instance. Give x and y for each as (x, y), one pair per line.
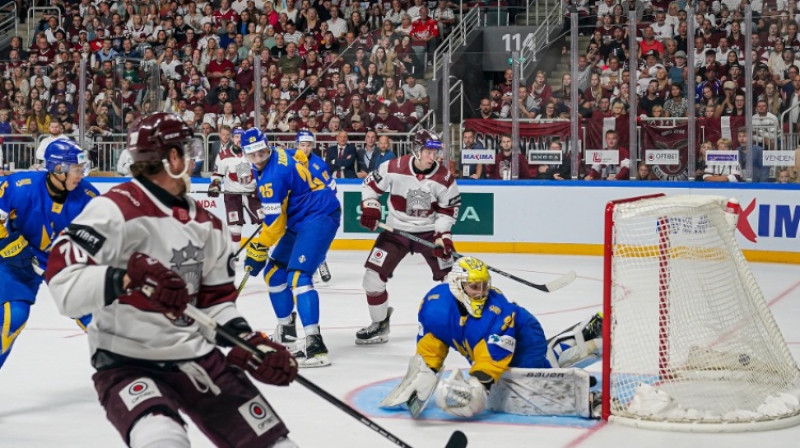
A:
(234, 171)
(417, 202)
(129, 218)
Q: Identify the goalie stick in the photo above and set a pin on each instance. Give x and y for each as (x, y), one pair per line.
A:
(550, 286)
(457, 439)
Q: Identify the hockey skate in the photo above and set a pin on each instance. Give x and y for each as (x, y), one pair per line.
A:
(376, 332)
(315, 354)
(286, 335)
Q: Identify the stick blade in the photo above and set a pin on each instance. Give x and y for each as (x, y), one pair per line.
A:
(560, 282)
(457, 440)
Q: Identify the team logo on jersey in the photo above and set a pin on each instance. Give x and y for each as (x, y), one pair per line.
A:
(505, 342)
(377, 257)
(418, 203)
(188, 262)
(138, 391)
(258, 415)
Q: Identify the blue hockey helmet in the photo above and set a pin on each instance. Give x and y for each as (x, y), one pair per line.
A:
(61, 155)
(305, 136)
(238, 131)
(253, 142)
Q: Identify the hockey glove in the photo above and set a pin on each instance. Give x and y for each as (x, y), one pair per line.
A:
(165, 289)
(256, 257)
(443, 245)
(214, 188)
(15, 251)
(278, 366)
(370, 213)
(460, 397)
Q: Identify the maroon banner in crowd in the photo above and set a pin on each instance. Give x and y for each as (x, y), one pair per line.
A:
(597, 126)
(659, 144)
(532, 135)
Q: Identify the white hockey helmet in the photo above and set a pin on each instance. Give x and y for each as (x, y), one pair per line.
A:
(470, 282)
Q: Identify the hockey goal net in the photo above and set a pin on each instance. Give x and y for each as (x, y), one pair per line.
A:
(689, 342)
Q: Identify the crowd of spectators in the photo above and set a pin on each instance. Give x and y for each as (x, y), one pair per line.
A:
(661, 71)
(326, 65)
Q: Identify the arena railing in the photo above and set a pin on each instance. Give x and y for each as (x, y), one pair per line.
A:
(32, 22)
(8, 23)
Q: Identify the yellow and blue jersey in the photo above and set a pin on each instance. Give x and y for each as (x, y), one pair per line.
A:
(287, 191)
(319, 169)
(506, 335)
(33, 213)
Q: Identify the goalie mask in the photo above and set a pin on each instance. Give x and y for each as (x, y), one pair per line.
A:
(425, 139)
(470, 282)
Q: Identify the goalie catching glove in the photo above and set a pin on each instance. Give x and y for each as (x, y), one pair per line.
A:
(462, 397)
(370, 213)
(443, 245)
(256, 257)
(214, 188)
(165, 289)
(277, 367)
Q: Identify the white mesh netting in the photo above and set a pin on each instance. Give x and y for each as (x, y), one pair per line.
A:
(692, 339)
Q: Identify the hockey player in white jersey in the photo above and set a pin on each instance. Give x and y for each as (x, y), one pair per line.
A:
(233, 175)
(423, 200)
(135, 257)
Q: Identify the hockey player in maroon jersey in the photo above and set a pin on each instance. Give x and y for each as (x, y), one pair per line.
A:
(134, 258)
(423, 200)
(233, 174)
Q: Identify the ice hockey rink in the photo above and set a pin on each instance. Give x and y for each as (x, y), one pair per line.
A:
(47, 398)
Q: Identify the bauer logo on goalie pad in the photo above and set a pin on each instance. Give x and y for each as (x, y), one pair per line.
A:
(139, 391)
(258, 415)
(505, 342)
(377, 257)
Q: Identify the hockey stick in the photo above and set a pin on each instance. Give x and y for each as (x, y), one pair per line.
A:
(247, 270)
(551, 286)
(457, 439)
(247, 241)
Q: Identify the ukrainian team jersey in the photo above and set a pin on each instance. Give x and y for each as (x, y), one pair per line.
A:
(32, 212)
(319, 169)
(506, 335)
(286, 189)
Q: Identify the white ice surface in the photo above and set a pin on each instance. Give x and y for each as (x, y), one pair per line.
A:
(47, 398)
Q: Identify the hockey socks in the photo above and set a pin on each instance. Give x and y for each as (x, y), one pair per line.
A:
(308, 307)
(378, 306)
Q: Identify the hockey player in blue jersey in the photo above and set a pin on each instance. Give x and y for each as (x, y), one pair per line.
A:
(506, 348)
(35, 206)
(300, 213)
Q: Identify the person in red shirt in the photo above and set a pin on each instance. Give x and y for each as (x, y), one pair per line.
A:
(649, 42)
(217, 67)
(426, 29)
(504, 159)
(225, 13)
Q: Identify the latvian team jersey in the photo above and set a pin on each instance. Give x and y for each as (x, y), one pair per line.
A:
(138, 216)
(417, 202)
(234, 171)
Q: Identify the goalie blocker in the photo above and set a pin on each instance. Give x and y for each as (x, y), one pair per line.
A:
(514, 369)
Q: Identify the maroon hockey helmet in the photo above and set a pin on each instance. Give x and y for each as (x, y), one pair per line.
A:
(150, 138)
(424, 138)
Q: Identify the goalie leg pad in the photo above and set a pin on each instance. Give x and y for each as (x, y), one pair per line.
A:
(419, 379)
(542, 392)
(572, 348)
